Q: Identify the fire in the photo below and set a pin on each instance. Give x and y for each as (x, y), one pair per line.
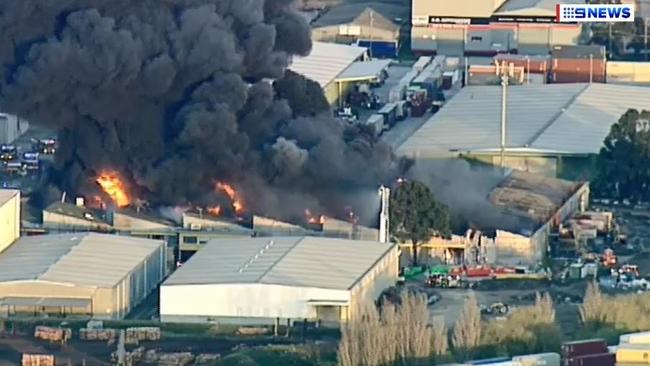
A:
(114, 188)
(314, 219)
(215, 211)
(230, 191)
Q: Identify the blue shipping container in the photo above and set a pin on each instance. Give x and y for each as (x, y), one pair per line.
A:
(380, 48)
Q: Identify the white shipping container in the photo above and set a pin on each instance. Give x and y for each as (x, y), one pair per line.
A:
(635, 338)
(539, 359)
(421, 63)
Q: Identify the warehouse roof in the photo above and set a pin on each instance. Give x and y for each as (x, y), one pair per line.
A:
(364, 70)
(530, 7)
(91, 259)
(7, 194)
(326, 61)
(547, 119)
(385, 16)
(79, 212)
(289, 261)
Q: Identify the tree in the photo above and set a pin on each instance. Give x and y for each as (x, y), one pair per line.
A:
(416, 216)
(624, 162)
(305, 96)
(467, 329)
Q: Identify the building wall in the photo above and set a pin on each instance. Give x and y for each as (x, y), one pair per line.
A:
(63, 222)
(380, 277)
(251, 303)
(10, 221)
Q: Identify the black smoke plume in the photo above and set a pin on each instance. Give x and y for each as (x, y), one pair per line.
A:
(174, 95)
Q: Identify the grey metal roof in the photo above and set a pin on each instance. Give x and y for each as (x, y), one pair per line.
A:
(89, 259)
(290, 261)
(386, 16)
(82, 213)
(326, 61)
(542, 119)
(6, 195)
(46, 301)
(364, 70)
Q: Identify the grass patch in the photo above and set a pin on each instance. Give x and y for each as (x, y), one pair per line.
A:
(280, 356)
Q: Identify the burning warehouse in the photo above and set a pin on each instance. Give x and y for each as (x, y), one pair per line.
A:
(182, 115)
(509, 217)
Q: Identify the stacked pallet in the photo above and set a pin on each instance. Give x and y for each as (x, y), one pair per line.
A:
(37, 360)
(97, 334)
(52, 334)
(130, 358)
(137, 334)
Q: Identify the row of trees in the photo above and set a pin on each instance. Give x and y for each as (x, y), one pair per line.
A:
(405, 334)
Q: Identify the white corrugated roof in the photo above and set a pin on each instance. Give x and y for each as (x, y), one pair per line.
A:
(326, 61)
(542, 119)
(364, 70)
(7, 194)
(530, 7)
(90, 259)
(290, 261)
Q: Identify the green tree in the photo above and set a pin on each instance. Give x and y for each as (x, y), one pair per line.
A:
(624, 162)
(416, 215)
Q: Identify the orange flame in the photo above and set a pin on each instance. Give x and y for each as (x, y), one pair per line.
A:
(314, 219)
(215, 211)
(230, 191)
(114, 188)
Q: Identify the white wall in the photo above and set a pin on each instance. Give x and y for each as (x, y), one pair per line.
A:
(10, 220)
(243, 300)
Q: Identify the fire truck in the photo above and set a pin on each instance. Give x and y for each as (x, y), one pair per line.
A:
(8, 152)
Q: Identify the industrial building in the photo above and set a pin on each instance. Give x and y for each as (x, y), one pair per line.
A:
(325, 63)
(486, 27)
(9, 217)
(257, 280)
(376, 26)
(551, 129)
(136, 220)
(11, 127)
(98, 275)
(62, 216)
(529, 208)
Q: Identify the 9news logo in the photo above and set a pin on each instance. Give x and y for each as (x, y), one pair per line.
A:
(576, 13)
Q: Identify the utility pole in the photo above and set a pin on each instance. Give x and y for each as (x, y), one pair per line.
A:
(610, 41)
(372, 21)
(503, 72)
(645, 38)
(591, 68)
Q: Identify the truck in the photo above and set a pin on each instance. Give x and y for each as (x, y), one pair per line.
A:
(445, 281)
(8, 152)
(44, 146)
(389, 112)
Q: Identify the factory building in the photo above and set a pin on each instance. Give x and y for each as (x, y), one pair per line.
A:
(9, 217)
(325, 63)
(487, 27)
(98, 275)
(62, 216)
(376, 26)
(11, 127)
(135, 220)
(257, 280)
(551, 129)
(529, 207)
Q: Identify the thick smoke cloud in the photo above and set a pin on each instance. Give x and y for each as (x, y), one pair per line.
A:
(173, 95)
(465, 189)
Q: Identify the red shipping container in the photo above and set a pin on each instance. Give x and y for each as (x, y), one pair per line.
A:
(603, 359)
(577, 71)
(584, 348)
(479, 271)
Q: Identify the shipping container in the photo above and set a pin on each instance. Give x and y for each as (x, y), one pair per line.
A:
(389, 112)
(376, 122)
(602, 359)
(635, 338)
(583, 348)
(380, 49)
(633, 353)
(539, 359)
(577, 71)
(584, 52)
(422, 63)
